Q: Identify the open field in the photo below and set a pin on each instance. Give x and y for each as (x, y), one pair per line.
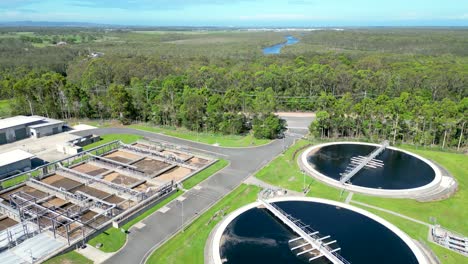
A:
(207, 138)
(450, 213)
(71, 257)
(188, 246)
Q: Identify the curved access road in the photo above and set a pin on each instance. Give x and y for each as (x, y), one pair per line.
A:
(159, 227)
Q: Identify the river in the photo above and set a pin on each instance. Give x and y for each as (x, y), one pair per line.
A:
(276, 49)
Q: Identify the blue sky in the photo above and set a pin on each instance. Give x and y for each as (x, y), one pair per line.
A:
(306, 13)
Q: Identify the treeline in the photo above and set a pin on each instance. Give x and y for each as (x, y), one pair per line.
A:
(407, 118)
(172, 103)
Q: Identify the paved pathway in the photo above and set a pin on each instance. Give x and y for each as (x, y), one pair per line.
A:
(393, 213)
(349, 197)
(161, 226)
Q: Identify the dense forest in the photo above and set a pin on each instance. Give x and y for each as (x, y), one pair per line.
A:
(403, 85)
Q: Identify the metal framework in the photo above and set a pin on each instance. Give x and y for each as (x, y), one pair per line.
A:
(168, 158)
(306, 233)
(90, 180)
(128, 170)
(355, 167)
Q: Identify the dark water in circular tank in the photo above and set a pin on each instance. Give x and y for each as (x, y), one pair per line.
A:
(257, 237)
(400, 170)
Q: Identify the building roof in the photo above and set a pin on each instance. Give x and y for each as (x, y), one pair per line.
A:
(47, 122)
(18, 121)
(16, 155)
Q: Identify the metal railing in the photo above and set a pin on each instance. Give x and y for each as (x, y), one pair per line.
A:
(310, 232)
(353, 168)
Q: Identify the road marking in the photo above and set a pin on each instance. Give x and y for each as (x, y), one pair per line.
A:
(198, 187)
(180, 198)
(164, 209)
(139, 225)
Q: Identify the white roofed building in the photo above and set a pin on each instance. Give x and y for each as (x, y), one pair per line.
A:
(21, 127)
(14, 161)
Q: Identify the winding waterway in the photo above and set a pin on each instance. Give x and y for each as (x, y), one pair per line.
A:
(276, 49)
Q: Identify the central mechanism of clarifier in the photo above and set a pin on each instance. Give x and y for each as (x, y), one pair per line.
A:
(360, 162)
(307, 234)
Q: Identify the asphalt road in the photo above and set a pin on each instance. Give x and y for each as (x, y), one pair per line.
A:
(160, 226)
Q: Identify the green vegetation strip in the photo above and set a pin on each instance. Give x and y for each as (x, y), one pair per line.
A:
(450, 213)
(71, 257)
(284, 172)
(204, 174)
(419, 232)
(207, 138)
(188, 246)
(125, 138)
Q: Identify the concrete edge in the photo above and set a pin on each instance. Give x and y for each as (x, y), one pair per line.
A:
(420, 256)
(397, 193)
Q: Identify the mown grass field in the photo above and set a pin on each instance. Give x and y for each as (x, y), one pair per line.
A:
(451, 213)
(71, 257)
(188, 246)
(206, 138)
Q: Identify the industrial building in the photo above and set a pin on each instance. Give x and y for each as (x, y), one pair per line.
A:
(21, 127)
(14, 161)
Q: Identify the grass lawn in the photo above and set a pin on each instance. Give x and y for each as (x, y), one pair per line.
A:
(207, 138)
(450, 213)
(419, 232)
(284, 172)
(71, 257)
(204, 174)
(125, 138)
(14, 181)
(188, 246)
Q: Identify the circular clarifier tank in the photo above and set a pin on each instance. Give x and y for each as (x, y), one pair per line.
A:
(392, 171)
(253, 234)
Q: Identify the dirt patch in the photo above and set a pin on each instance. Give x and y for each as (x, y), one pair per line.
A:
(150, 166)
(57, 202)
(178, 154)
(198, 162)
(114, 199)
(7, 223)
(118, 178)
(122, 156)
(175, 174)
(143, 187)
(29, 190)
(92, 191)
(89, 169)
(61, 182)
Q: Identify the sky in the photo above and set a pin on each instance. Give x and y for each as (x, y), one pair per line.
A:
(245, 13)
